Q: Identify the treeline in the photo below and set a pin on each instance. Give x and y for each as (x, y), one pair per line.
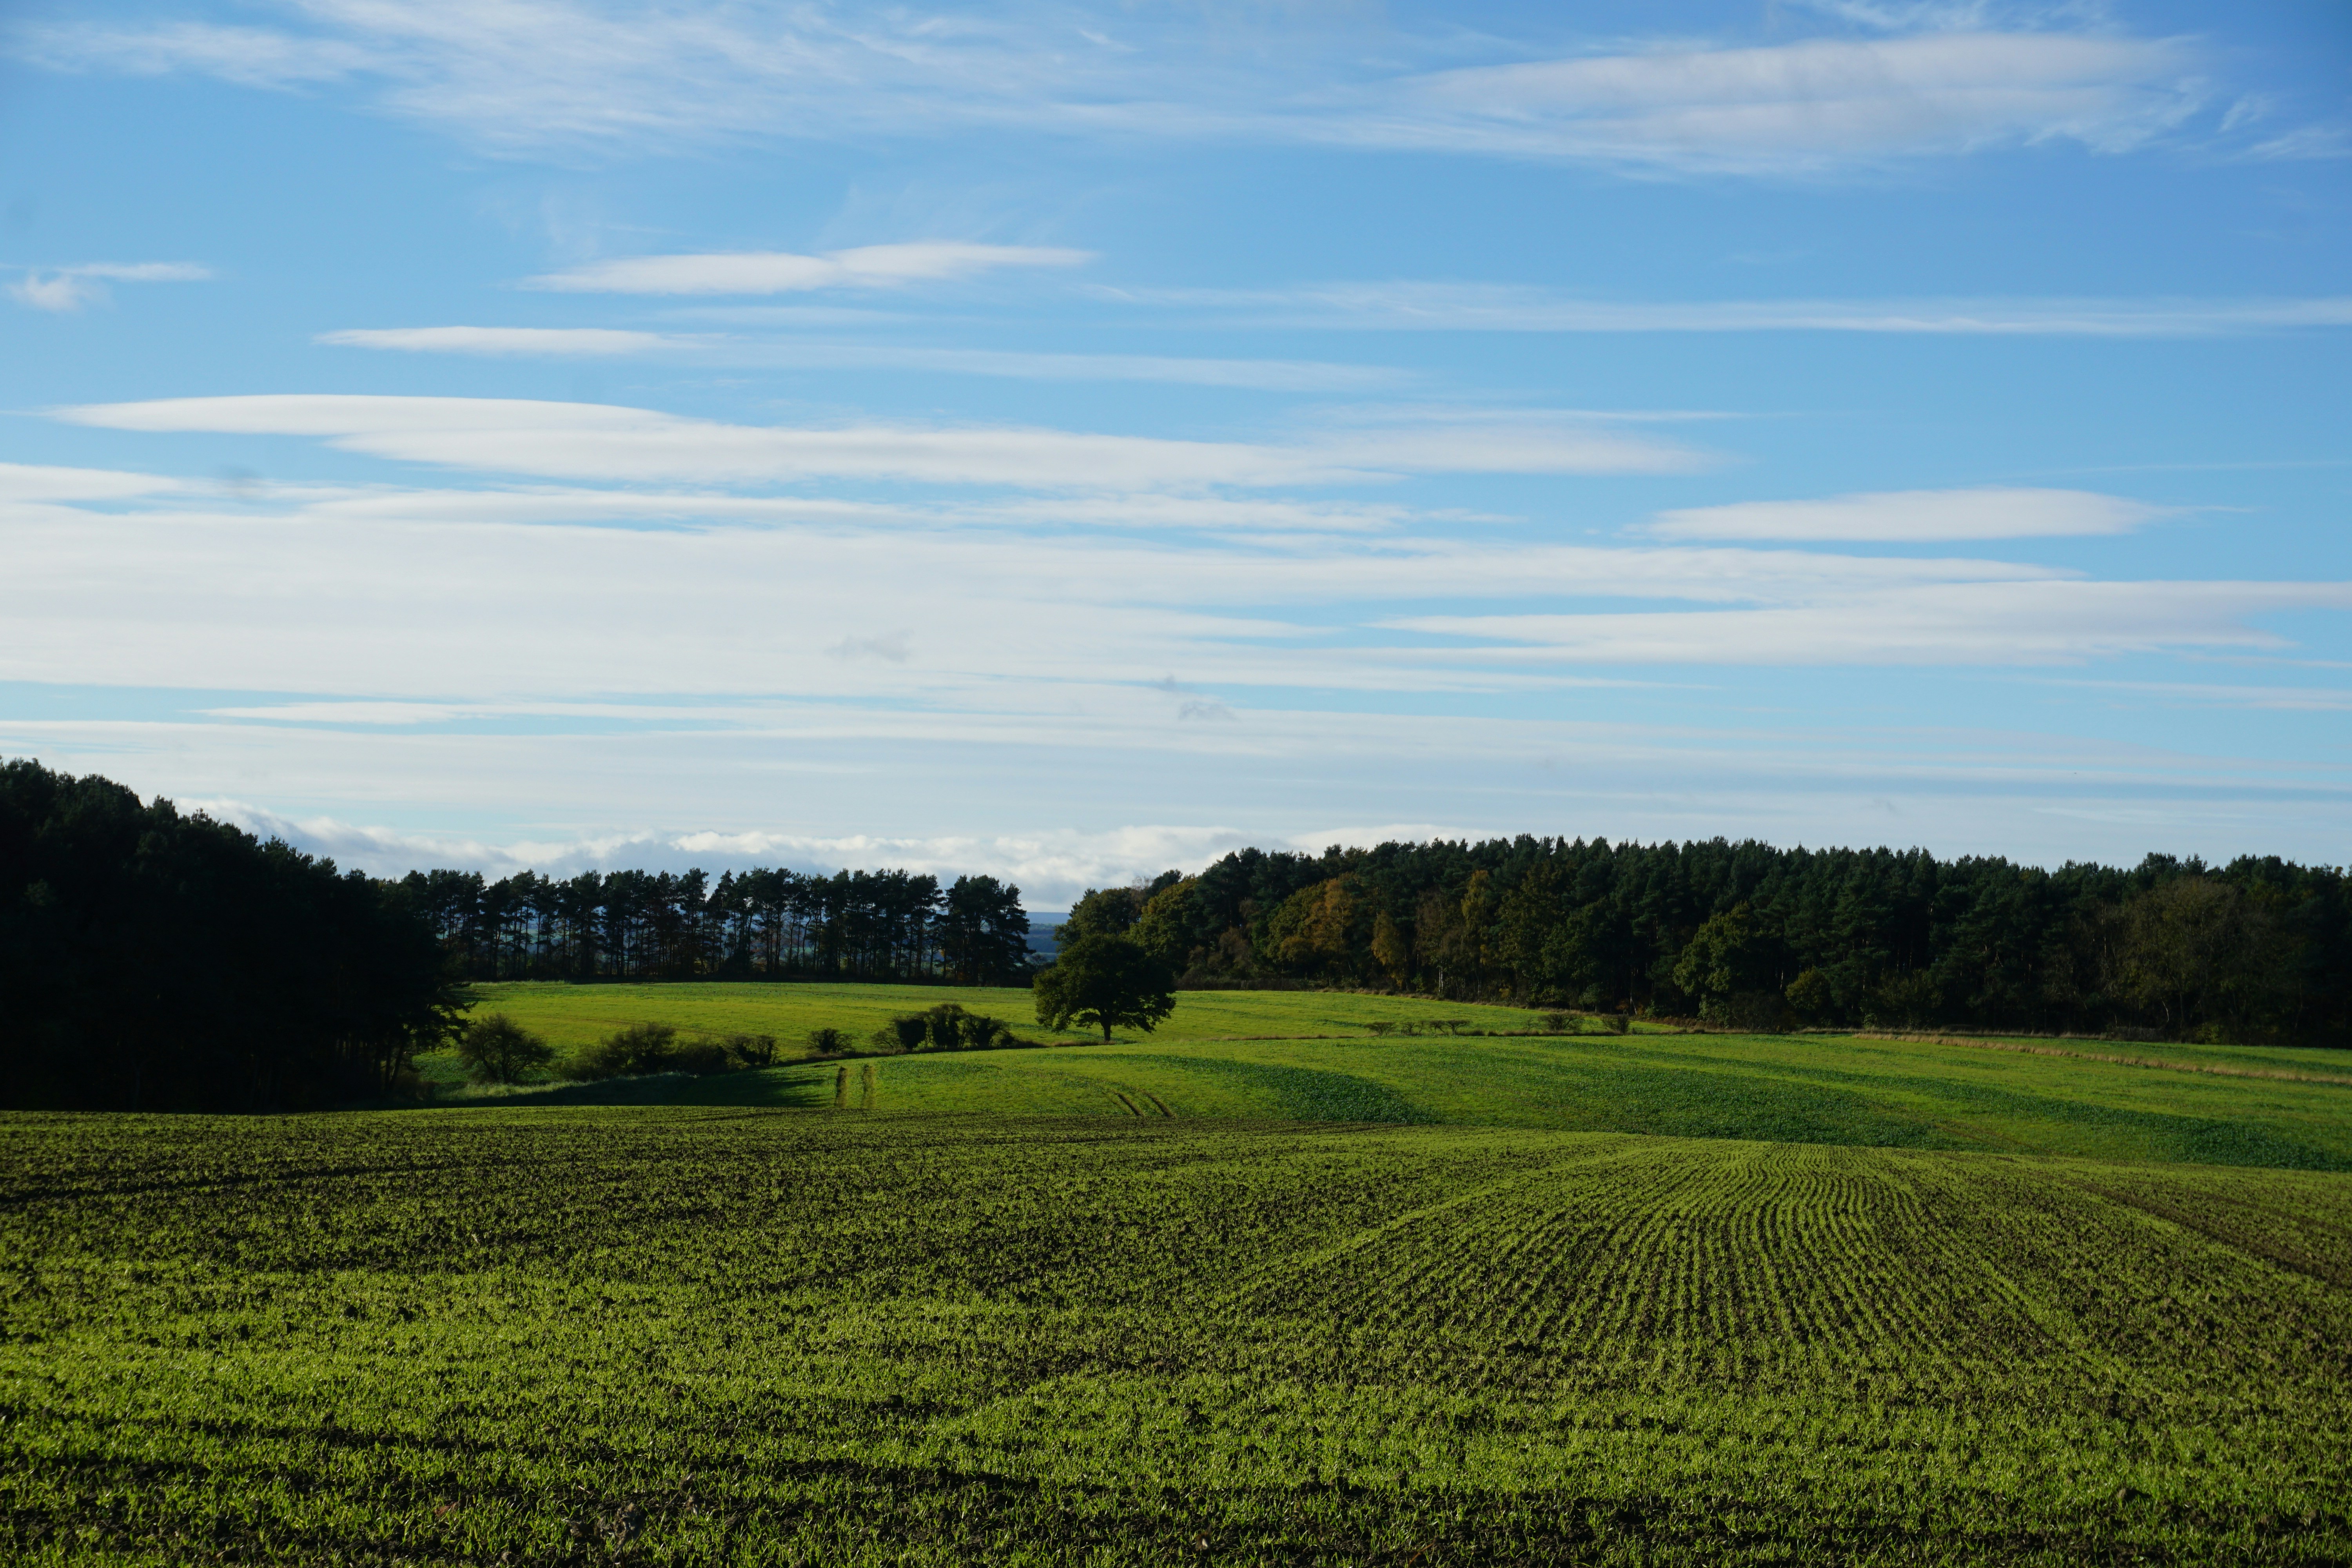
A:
(156, 960)
(757, 924)
(1755, 937)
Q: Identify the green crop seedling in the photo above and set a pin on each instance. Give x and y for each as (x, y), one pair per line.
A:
(674, 1335)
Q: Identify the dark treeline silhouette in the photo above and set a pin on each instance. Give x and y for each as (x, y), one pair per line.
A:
(156, 960)
(152, 960)
(757, 924)
(1752, 936)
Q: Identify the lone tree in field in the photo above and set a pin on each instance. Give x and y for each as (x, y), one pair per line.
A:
(1106, 981)
(496, 1049)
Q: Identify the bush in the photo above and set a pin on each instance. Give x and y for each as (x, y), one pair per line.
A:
(1747, 1013)
(951, 1028)
(946, 1027)
(655, 1048)
(496, 1049)
(701, 1058)
(752, 1050)
(639, 1048)
(1559, 1023)
(828, 1042)
(1811, 995)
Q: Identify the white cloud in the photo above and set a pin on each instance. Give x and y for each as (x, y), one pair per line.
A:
(58, 291)
(562, 74)
(1505, 308)
(890, 648)
(250, 57)
(667, 508)
(2321, 140)
(1816, 103)
(354, 600)
(1264, 374)
(1051, 867)
(1278, 376)
(598, 441)
(1905, 516)
(1249, 514)
(142, 271)
(782, 272)
(562, 341)
(1941, 623)
(33, 482)
(2287, 698)
(560, 798)
(71, 288)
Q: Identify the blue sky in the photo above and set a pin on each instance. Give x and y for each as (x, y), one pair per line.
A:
(1067, 441)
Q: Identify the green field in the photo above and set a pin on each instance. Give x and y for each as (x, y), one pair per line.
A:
(1788, 1088)
(696, 1335)
(1324, 1298)
(571, 1016)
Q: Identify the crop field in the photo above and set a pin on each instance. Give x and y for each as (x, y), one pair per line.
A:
(711, 1335)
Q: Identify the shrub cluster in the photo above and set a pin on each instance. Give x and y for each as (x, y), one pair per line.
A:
(655, 1048)
(496, 1049)
(946, 1027)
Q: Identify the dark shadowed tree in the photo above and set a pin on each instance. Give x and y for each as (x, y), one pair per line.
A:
(152, 960)
(1104, 982)
(496, 1049)
(984, 933)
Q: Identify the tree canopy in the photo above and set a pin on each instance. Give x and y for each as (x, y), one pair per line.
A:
(1104, 982)
(1747, 934)
(764, 923)
(152, 960)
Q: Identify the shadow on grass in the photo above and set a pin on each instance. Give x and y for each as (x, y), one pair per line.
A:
(801, 1086)
(647, 1088)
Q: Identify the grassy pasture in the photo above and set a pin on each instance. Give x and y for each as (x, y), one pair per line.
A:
(707, 1335)
(571, 1016)
(1787, 1089)
(1308, 1056)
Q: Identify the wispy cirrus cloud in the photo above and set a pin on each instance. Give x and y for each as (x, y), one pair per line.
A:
(410, 607)
(40, 482)
(1429, 306)
(784, 272)
(2185, 693)
(2023, 623)
(379, 652)
(807, 353)
(602, 442)
(561, 343)
(570, 73)
(1820, 102)
(1907, 516)
(643, 508)
(1050, 867)
(64, 289)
